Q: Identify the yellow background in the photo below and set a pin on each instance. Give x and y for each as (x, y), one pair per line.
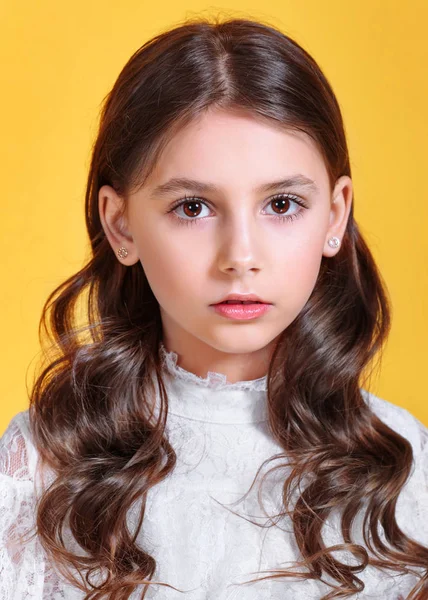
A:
(59, 60)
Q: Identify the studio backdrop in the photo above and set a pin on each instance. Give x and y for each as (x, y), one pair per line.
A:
(59, 60)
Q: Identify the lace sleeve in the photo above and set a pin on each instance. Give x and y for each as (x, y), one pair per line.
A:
(21, 562)
(25, 571)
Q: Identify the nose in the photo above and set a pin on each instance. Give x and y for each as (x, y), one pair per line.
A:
(240, 246)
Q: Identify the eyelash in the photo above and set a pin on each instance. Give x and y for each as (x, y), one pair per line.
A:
(290, 218)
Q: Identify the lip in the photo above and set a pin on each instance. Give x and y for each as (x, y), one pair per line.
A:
(241, 297)
(241, 311)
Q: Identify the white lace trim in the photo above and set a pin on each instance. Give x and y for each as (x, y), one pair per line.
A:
(213, 379)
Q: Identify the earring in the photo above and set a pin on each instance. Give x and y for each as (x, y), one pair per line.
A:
(122, 252)
(333, 242)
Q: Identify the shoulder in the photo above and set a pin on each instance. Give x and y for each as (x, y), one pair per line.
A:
(18, 456)
(21, 555)
(400, 420)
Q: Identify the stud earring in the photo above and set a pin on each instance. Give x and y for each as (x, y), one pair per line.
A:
(122, 252)
(333, 242)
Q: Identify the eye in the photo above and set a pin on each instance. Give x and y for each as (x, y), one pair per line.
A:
(290, 207)
(189, 205)
(283, 202)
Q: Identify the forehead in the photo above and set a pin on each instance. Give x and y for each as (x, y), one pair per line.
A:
(229, 147)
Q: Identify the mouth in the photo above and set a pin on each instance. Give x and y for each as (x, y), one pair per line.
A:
(240, 302)
(241, 299)
(241, 309)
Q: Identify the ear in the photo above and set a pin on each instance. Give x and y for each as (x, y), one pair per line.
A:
(340, 208)
(114, 221)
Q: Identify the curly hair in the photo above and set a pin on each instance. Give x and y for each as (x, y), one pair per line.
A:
(91, 405)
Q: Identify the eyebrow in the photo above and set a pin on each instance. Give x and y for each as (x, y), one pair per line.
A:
(177, 184)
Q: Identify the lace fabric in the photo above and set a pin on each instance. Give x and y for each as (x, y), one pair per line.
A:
(212, 380)
(22, 565)
(199, 544)
(213, 399)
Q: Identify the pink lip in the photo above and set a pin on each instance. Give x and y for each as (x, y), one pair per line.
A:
(241, 311)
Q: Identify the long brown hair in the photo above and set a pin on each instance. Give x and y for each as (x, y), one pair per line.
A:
(90, 405)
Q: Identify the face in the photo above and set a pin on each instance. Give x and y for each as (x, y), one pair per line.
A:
(234, 236)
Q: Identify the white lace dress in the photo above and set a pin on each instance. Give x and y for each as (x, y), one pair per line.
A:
(220, 434)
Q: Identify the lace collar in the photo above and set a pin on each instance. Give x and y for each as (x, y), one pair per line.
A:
(213, 398)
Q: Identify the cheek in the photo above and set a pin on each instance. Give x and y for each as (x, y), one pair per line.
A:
(303, 262)
(173, 272)
(298, 270)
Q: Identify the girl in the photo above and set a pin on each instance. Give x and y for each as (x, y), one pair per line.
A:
(178, 444)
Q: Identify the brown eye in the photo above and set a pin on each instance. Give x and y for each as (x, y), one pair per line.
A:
(194, 206)
(283, 204)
